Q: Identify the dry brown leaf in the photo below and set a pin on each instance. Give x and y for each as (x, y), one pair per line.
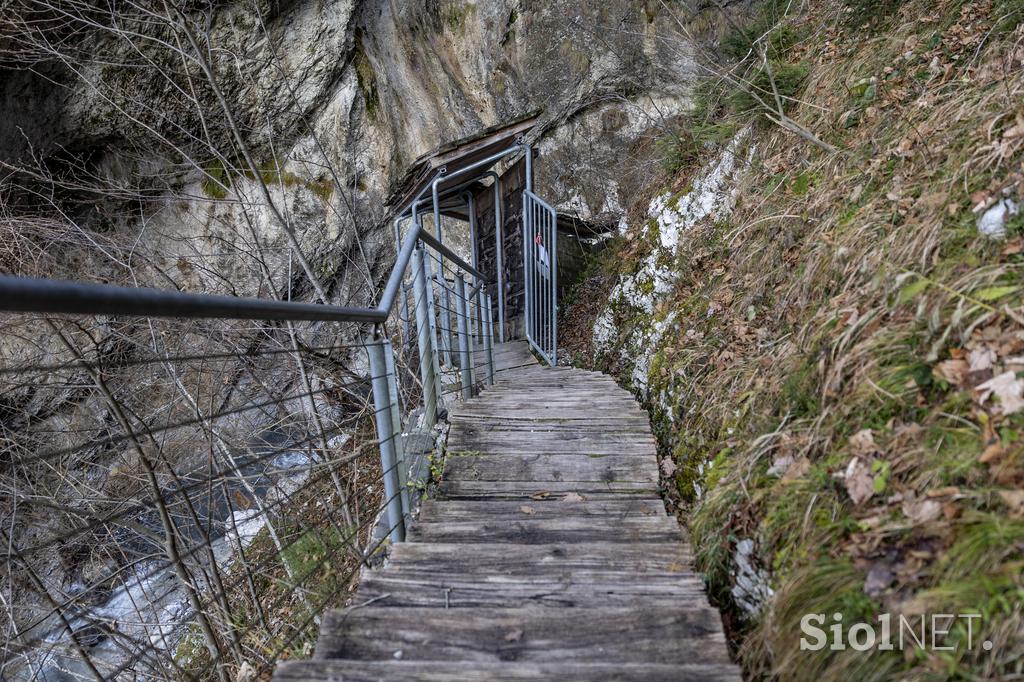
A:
(241, 500)
(1014, 499)
(526, 509)
(1008, 388)
(860, 484)
(992, 453)
(540, 496)
(573, 497)
(953, 372)
(668, 466)
(981, 359)
(922, 511)
(1013, 247)
(797, 469)
(948, 491)
(863, 443)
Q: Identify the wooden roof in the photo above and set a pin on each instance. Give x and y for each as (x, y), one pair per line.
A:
(457, 155)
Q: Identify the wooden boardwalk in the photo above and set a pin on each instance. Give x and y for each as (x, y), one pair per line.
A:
(547, 555)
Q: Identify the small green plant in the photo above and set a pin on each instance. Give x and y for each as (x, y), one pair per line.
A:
(1009, 14)
(871, 11)
(760, 92)
(769, 28)
(683, 148)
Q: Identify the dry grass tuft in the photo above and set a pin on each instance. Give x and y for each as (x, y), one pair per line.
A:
(858, 332)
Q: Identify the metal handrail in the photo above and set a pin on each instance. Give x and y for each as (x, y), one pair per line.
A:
(19, 294)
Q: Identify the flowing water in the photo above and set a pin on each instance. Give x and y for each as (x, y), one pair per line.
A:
(131, 635)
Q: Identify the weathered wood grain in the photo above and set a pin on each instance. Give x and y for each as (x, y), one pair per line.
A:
(547, 555)
(636, 559)
(568, 590)
(527, 531)
(449, 671)
(593, 467)
(451, 510)
(534, 633)
(517, 490)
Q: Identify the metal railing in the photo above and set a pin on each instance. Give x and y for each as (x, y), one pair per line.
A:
(540, 276)
(174, 550)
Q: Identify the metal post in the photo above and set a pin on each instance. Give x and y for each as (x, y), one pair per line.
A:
(451, 359)
(446, 322)
(424, 337)
(489, 341)
(472, 319)
(476, 324)
(403, 301)
(553, 247)
(435, 356)
(499, 240)
(527, 275)
(396, 425)
(386, 436)
(465, 343)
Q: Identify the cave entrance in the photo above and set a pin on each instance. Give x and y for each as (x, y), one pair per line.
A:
(476, 196)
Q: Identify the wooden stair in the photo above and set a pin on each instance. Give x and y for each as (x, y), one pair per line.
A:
(547, 556)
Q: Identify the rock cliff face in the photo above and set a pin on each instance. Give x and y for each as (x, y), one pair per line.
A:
(332, 100)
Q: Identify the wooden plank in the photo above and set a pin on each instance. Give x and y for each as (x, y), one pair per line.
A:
(524, 530)
(531, 560)
(533, 446)
(533, 634)
(529, 489)
(402, 590)
(436, 510)
(541, 468)
(458, 671)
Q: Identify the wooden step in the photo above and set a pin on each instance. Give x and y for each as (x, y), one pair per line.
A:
(441, 510)
(546, 555)
(568, 529)
(539, 468)
(522, 490)
(406, 588)
(531, 634)
(554, 559)
(458, 671)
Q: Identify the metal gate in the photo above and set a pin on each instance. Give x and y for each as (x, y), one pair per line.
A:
(540, 272)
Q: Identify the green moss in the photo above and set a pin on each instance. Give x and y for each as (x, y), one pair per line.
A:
(215, 182)
(366, 78)
(803, 182)
(689, 455)
(800, 392)
(455, 15)
(954, 452)
(324, 189)
(718, 468)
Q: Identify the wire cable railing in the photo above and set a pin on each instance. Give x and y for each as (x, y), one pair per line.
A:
(208, 488)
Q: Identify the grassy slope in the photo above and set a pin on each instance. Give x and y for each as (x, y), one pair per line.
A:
(849, 293)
